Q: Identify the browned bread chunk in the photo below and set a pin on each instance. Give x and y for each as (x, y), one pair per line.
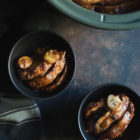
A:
(51, 75)
(94, 106)
(57, 82)
(36, 69)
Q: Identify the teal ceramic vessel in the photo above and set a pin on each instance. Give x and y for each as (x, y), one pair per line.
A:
(98, 20)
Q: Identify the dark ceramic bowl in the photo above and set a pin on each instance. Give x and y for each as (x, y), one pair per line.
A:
(132, 132)
(26, 46)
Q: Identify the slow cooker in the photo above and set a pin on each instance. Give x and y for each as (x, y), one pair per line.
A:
(99, 20)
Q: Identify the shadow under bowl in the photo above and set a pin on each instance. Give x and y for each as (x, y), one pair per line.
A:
(132, 132)
(26, 47)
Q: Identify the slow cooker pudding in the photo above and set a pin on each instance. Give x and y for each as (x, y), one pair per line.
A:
(110, 6)
(108, 118)
(45, 70)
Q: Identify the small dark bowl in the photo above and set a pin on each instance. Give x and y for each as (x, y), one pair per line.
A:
(132, 132)
(26, 46)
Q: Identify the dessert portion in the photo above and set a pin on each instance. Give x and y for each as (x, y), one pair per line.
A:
(110, 6)
(109, 118)
(45, 70)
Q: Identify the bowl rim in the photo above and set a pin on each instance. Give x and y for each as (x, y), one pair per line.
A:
(92, 92)
(9, 65)
(96, 19)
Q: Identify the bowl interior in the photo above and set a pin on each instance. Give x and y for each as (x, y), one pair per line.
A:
(132, 132)
(26, 46)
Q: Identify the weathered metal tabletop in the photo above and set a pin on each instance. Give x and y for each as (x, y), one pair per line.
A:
(102, 56)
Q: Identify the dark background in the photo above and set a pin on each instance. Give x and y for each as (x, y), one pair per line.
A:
(102, 56)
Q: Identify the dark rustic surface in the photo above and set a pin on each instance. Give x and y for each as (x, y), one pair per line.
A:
(102, 57)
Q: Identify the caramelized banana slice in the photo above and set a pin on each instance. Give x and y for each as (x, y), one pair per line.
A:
(25, 62)
(113, 101)
(52, 56)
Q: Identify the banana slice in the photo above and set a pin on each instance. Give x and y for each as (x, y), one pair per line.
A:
(113, 101)
(52, 56)
(25, 62)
